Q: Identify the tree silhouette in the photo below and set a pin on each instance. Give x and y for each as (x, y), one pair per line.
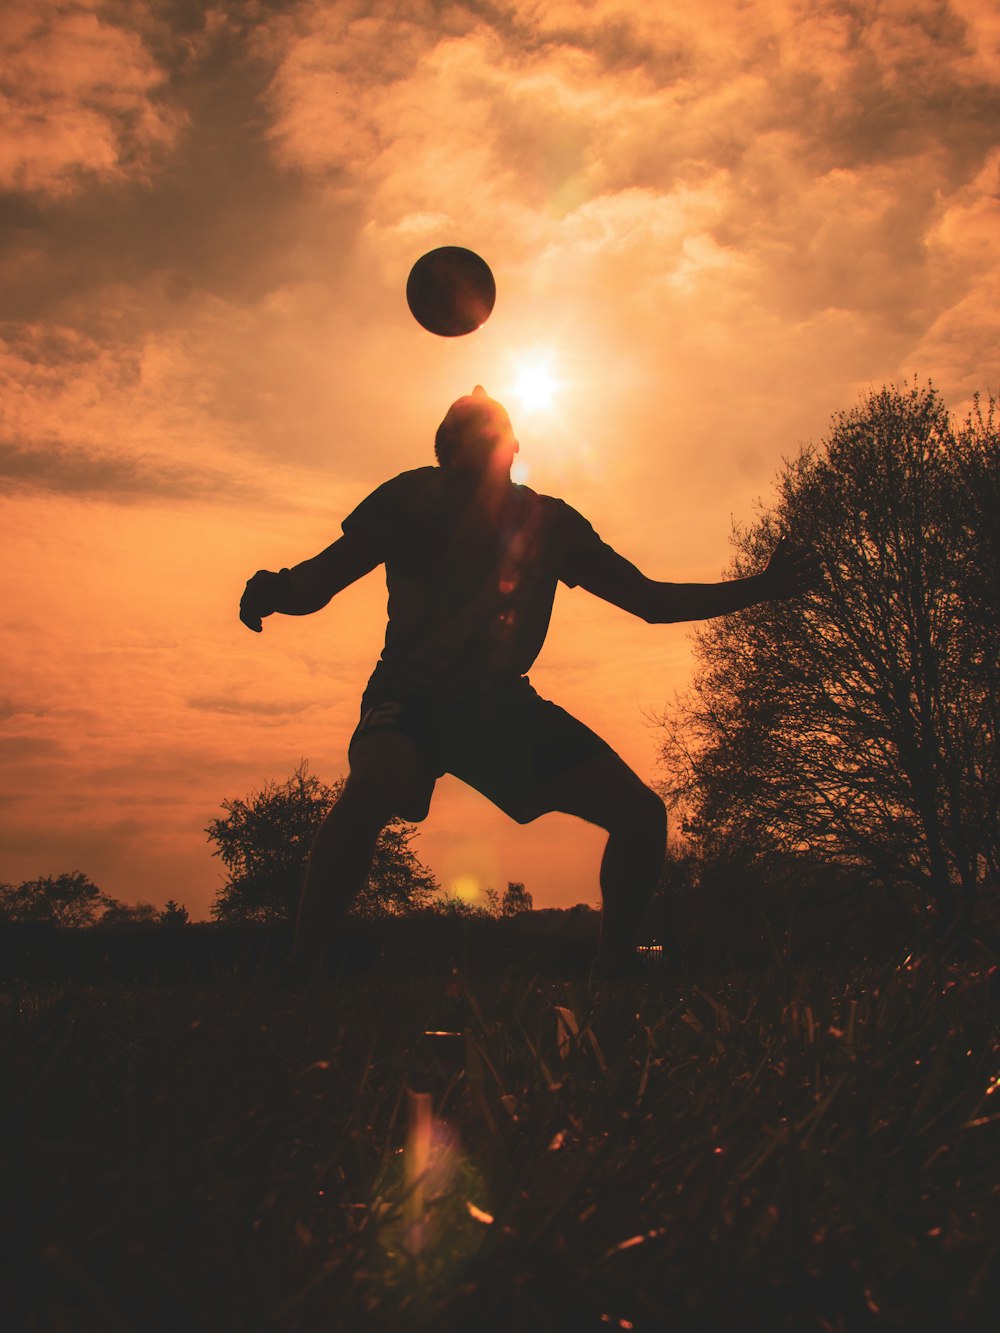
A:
(59, 900)
(128, 914)
(516, 899)
(264, 841)
(860, 724)
(174, 914)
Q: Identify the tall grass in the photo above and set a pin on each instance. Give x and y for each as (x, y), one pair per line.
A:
(796, 1148)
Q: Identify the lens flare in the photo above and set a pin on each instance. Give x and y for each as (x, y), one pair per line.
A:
(427, 1211)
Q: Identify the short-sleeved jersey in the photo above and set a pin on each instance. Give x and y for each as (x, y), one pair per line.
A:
(471, 574)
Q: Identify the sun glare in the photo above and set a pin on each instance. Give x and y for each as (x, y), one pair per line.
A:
(535, 385)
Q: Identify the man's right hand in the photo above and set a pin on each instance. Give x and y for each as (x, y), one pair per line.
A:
(262, 596)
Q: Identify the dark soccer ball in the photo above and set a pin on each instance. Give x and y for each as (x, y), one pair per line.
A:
(450, 291)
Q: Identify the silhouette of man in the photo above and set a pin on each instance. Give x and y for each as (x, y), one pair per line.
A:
(472, 562)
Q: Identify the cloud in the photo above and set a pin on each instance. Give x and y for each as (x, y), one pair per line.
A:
(205, 210)
(60, 470)
(131, 418)
(825, 137)
(88, 416)
(79, 99)
(248, 707)
(14, 749)
(10, 708)
(645, 170)
(39, 846)
(614, 94)
(962, 341)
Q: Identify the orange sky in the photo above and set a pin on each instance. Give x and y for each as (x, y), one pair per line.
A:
(716, 223)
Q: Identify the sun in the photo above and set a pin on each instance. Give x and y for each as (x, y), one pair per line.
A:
(467, 888)
(535, 385)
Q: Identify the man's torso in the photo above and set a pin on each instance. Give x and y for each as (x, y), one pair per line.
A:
(471, 573)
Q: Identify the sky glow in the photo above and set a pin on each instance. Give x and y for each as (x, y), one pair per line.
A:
(712, 226)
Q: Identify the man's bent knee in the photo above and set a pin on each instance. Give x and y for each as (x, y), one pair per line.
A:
(654, 812)
(641, 814)
(606, 792)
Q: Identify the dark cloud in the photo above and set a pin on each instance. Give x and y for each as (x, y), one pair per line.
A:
(215, 213)
(46, 847)
(246, 707)
(11, 708)
(80, 99)
(77, 472)
(14, 748)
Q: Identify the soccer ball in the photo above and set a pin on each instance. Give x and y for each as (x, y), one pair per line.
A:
(450, 291)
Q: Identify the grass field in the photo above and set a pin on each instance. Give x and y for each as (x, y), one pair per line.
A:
(792, 1148)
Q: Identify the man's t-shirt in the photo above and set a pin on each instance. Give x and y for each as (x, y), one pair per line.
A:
(471, 576)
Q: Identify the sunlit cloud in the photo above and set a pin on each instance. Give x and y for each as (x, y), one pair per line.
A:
(262, 708)
(962, 340)
(78, 100)
(77, 472)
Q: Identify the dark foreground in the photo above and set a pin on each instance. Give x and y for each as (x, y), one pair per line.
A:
(789, 1148)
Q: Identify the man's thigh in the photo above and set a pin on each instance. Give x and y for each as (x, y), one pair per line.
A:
(388, 769)
(514, 746)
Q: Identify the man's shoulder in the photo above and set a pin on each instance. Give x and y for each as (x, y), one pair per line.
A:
(414, 480)
(394, 502)
(405, 490)
(555, 509)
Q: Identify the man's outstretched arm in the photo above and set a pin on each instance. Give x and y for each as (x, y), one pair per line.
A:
(791, 570)
(306, 587)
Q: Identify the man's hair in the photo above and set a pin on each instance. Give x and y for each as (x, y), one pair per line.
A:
(469, 414)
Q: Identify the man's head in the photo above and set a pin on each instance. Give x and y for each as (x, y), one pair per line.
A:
(476, 435)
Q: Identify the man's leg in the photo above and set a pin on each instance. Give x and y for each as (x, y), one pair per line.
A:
(604, 791)
(387, 775)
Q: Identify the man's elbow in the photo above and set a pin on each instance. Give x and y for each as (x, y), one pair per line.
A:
(655, 603)
(311, 592)
(663, 616)
(640, 603)
(660, 605)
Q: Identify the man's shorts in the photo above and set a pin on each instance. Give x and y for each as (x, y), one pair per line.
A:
(502, 739)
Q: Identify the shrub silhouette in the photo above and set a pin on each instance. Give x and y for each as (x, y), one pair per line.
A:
(58, 900)
(264, 840)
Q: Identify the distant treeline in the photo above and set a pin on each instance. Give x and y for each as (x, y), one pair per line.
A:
(813, 914)
(202, 951)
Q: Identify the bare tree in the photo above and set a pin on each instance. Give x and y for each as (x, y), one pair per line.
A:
(859, 724)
